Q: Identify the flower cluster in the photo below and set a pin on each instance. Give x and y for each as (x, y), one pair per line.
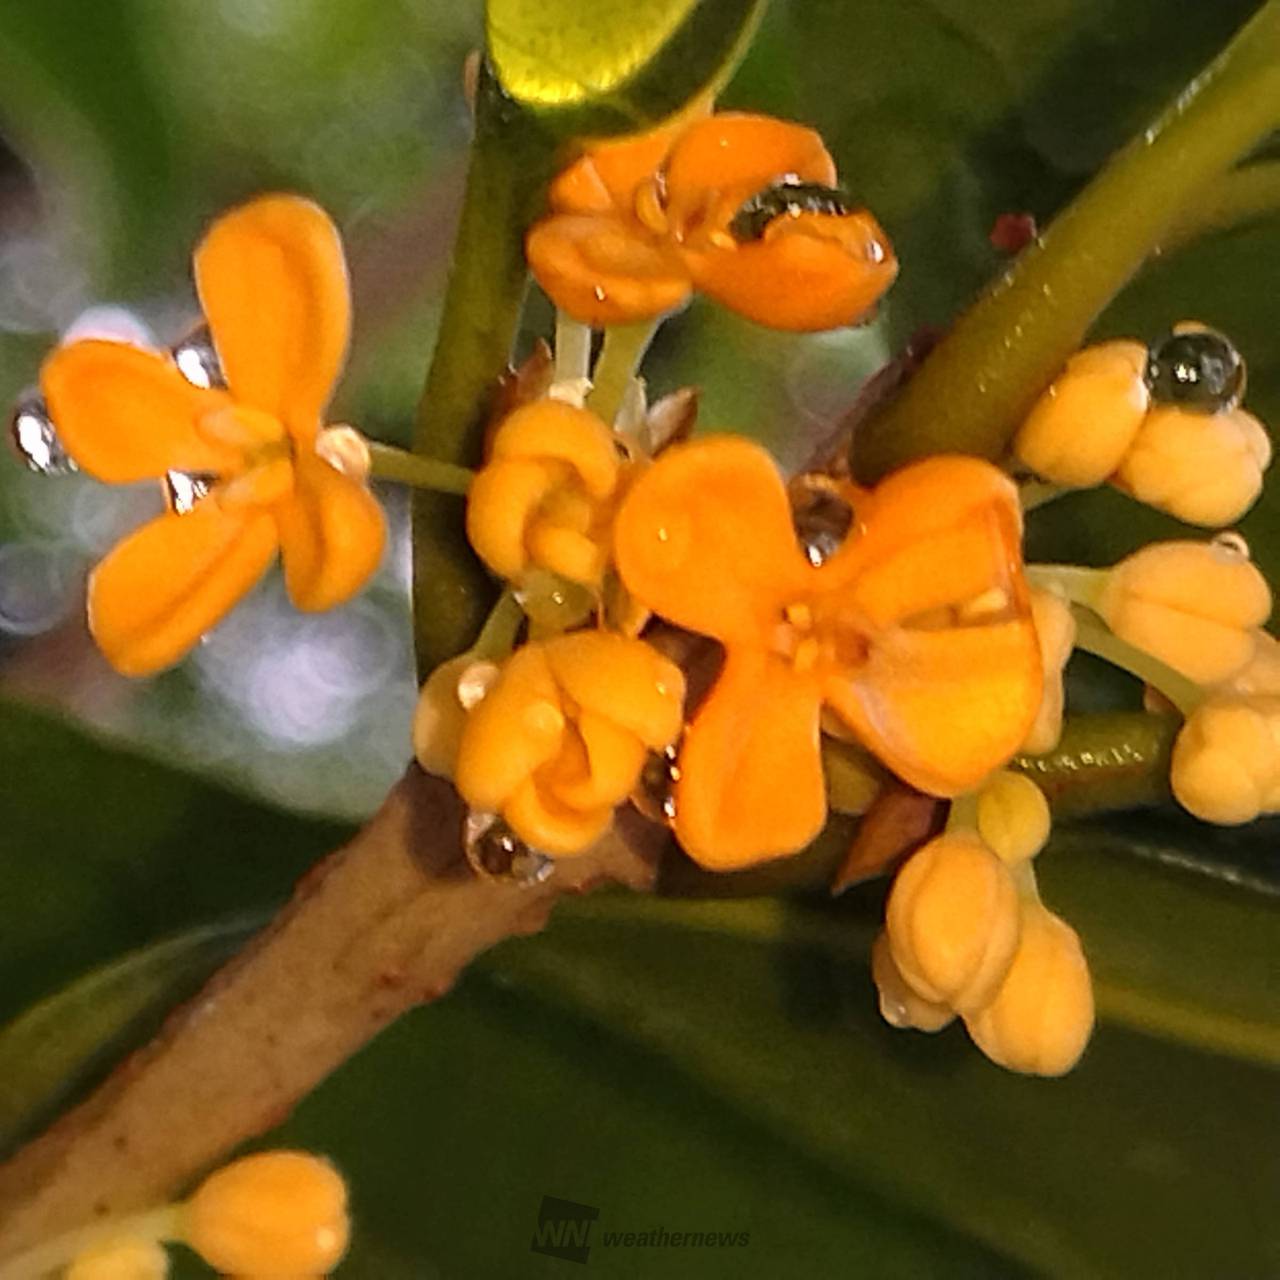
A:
(966, 934)
(744, 208)
(273, 285)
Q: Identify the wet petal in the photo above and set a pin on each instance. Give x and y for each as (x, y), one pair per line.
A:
(273, 283)
(751, 784)
(944, 708)
(705, 538)
(542, 822)
(125, 414)
(809, 272)
(332, 533)
(603, 270)
(605, 178)
(164, 586)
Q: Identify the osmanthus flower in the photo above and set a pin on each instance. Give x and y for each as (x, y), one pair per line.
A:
(743, 207)
(561, 735)
(272, 282)
(916, 632)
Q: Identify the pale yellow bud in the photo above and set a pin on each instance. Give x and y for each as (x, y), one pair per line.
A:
(1205, 468)
(1081, 427)
(1226, 760)
(952, 921)
(451, 690)
(1042, 1016)
(1056, 631)
(900, 1006)
(121, 1260)
(1193, 605)
(1013, 816)
(1261, 674)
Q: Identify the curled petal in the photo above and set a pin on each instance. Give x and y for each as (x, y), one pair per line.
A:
(944, 708)
(543, 822)
(164, 586)
(272, 281)
(514, 730)
(605, 270)
(503, 498)
(624, 680)
(551, 429)
(332, 533)
(606, 177)
(722, 161)
(705, 538)
(751, 784)
(809, 272)
(603, 768)
(125, 414)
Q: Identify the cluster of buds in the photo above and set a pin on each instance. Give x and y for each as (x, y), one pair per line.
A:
(1164, 424)
(276, 1215)
(967, 935)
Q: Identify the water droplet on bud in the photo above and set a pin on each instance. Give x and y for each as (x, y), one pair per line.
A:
(496, 852)
(1198, 369)
(1231, 545)
(655, 793)
(183, 491)
(35, 438)
(197, 360)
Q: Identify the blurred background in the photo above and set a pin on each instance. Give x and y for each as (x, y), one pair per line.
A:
(124, 128)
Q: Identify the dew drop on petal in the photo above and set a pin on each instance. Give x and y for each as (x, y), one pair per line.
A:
(497, 853)
(183, 491)
(655, 793)
(822, 522)
(197, 360)
(35, 438)
(1230, 545)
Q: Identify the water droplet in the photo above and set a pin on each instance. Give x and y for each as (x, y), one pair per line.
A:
(894, 1012)
(35, 438)
(655, 793)
(1231, 545)
(496, 852)
(197, 360)
(1198, 369)
(183, 491)
(822, 521)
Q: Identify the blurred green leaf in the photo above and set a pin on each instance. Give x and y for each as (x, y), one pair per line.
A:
(614, 66)
(67, 1041)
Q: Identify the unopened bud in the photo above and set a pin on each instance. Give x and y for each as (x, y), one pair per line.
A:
(1013, 817)
(900, 1006)
(1226, 760)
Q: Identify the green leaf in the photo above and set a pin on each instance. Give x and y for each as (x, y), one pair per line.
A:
(614, 66)
(65, 1043)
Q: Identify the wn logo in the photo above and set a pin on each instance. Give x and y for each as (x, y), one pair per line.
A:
(564, 1229)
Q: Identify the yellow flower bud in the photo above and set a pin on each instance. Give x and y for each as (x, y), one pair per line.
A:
(1013, 816)
(900, 1006)
(1042, 1016)
(1261, 674)
(1193, 605)
(1226, 760)
(1205, 468)
(276, 1214)
(1081, 427)
(952, 921)
(121, 1260)
(546, 497)
(561, 736)
(451, 690)
(1056, 631)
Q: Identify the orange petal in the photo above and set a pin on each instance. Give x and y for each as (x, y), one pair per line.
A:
(944, 708)
(332, 533)
(809, 272)
(722, 161)
(125, 414)
(605, 178)
(751, 784)
(603, 270)
(705, 538)
(164, 586)
(272, 281)
(552, 429)
(551, 827)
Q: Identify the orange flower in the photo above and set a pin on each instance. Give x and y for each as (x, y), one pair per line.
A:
(917, 632)
(273, 284)
(743, 207)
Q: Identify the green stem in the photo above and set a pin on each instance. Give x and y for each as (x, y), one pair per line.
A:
(1105, 762)
(1078, 584)
(976, 386)
(573, 348)
(511, 160)
(498, 635)
(389, 463)
(1094, 636)
(620, 357)
(1243, 195)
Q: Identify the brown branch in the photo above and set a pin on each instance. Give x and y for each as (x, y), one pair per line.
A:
(384, 924)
